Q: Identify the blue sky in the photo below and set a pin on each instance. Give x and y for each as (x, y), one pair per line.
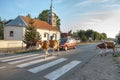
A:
(99, 15)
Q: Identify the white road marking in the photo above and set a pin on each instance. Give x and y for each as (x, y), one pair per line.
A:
(34, 62)
(19, 57)
(47, 65)
(61, 71)
(12, 56)
(19, 61)
(2, 67)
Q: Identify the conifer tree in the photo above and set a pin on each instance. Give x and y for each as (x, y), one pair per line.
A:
(31, 34)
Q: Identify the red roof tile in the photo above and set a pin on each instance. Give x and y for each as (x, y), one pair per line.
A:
(39, 24)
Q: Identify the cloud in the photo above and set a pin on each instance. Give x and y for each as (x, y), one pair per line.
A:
(84, 3)
(112, 6)
(107, 21)
(90, 2)
(58, 1)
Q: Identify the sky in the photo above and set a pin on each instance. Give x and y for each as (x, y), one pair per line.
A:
(98, 15)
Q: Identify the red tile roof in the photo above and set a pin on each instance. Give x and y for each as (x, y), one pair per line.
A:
(39, 24)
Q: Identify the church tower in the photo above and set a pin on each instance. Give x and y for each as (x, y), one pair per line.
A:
(51, 15)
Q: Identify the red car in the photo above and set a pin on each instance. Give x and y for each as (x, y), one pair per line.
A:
(67, 43)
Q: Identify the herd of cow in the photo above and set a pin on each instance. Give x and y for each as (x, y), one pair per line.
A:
(46, 45)
(54, 44)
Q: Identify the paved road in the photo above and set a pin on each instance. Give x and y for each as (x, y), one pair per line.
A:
(33, 66)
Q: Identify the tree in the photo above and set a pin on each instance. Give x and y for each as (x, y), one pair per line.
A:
(28, 15)
(104, 36)
(70, 32)
(84, 38)
(89, 33)
(57, 22)
(1, 29)
(118, 38)
(44, 17)
(96, 36)
(8, 21)
(31, 34)
(82, 35)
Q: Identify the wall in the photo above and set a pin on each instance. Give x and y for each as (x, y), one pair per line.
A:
(18, 32)
(11, 44)
(42, 32)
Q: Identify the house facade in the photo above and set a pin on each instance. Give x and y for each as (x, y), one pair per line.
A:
(15, 30)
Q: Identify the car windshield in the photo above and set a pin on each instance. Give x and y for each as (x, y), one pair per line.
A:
(63, 40)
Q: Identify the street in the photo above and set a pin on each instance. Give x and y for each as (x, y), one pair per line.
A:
(33, 66)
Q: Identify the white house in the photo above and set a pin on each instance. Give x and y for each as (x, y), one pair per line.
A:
(15, 30)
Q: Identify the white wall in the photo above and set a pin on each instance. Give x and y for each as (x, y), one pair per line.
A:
(18, 32)
(11, 44)
(42, 32)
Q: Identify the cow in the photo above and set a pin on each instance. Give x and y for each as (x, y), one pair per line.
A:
(47, 44)
(106, 45)
(31, 44)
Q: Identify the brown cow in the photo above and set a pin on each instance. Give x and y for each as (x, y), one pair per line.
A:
(107, 45)
(30, 44)
(54, 44)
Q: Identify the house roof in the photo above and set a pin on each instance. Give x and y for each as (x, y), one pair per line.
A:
(26, 21)
(17, 22)
(39, 24)
(66, 34)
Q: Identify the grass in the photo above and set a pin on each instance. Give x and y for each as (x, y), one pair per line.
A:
(117, 55)
(24, 51)
(116, 59)
(85, 43)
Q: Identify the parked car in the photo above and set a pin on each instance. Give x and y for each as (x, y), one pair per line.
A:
(67, 43)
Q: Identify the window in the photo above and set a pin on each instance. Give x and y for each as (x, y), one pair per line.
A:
(45, 34)
(11, 33)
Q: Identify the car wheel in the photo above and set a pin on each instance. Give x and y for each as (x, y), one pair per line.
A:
(66, 48)
(74, 47)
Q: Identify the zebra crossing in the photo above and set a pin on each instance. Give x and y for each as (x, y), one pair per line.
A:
(26, 61)
(61, 71)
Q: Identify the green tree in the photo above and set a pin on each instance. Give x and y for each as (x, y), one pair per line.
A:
(28, 15)
(118, 38)
(82, 35)
(1, 29)
(84, 38)
(57, 22)
(31, 34)
(75, 35)
(89, 34)
(104, 36)
(70, 32)
(96, 36)
(44, 17)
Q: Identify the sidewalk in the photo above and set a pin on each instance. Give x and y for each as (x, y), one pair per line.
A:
(99, 68)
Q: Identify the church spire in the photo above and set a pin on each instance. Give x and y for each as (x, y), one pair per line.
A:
(51, 7)
(51, 16)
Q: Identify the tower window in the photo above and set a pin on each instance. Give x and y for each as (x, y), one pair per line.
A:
(11, 33)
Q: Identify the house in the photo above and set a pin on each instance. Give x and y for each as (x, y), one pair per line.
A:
(66, 35)
(15, 30)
